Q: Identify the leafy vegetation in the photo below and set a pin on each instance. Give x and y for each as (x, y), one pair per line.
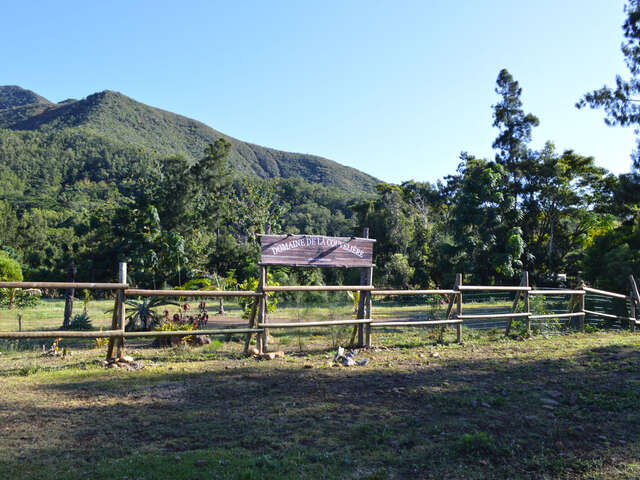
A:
(143, 314)
(81, 321)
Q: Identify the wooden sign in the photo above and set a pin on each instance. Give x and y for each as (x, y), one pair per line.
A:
(316, 251)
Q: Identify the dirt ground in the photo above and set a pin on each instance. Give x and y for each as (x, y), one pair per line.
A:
(564, 407)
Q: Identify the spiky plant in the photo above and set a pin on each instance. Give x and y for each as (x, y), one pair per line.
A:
(142, 312)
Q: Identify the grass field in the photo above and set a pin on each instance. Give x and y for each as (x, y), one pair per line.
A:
(563, 407)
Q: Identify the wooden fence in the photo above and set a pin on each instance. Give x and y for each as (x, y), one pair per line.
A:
(258, 322)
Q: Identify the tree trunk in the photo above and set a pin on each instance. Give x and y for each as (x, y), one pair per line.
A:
(550, 252)
(68, 298)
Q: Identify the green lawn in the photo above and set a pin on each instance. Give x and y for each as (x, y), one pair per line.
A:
(563, 407)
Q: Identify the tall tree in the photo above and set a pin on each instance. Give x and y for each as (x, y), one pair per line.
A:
(212, 182)
(559, 209)
(515, 125)
(485, 239)
(616, 252)
(173, 190)
(621, 103)
(389, 218)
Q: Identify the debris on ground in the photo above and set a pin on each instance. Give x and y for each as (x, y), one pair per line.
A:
(125, 362)
(177, 340)
(267, 355)
(348, 360)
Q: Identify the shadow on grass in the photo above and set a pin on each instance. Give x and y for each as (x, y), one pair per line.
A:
(477, 418)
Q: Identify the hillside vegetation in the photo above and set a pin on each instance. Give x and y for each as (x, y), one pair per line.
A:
(118, 117)
(18, 104)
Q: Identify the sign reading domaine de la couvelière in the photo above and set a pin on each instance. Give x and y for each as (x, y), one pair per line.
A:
(316, 251)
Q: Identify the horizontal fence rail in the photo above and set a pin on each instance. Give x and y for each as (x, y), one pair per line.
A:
(317, 288)
(608, 315)
(118, 333)
(65, 285)
(606, 293)
(493, 288)
(556, 315)
(63, 334)
(557, 292)
(133, 292)
(493, 315)
(416, 323)
(326, 323)
(413, 292)
(185, 333)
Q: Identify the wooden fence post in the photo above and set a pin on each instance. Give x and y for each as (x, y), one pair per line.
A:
(114, 325)
(635, 298)
(69, 296)
(115, 316)
(459, 307)
(264, 337)
(515, 301)
(527, 302)
(582, 302)
(367, 310)
(449, 313)
(252, 324)
(632, 322)
(122, 278)
(366, 278)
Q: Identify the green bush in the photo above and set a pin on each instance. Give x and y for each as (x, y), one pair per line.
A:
(10, 270)
(80, 322)
(16, 298)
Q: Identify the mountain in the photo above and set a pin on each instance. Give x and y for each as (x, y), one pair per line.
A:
(112, 115)
(14, 96)
(17, 104)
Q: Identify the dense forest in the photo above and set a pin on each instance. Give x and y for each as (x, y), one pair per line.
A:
(107, 179)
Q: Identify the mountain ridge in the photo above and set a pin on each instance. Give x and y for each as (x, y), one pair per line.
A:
(116, 115)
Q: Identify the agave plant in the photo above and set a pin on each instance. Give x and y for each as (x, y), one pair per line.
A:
(143, 312)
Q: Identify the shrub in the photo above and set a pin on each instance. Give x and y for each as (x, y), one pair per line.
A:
(174, 340)
(80, 322)
(17, 298)
(251, 284)
(101, 342)
(10, 270)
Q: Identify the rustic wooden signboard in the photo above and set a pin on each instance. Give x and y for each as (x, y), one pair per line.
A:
(316, 251)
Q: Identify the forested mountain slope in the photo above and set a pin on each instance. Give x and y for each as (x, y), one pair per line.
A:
(116, 117)
(17, 104)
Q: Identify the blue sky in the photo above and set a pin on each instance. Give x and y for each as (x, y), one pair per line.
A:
(395, 88)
